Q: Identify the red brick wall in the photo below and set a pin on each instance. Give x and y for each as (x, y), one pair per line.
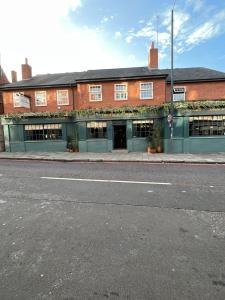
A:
(82, 99)
(194, 91)
(51, 102)
(201, 91)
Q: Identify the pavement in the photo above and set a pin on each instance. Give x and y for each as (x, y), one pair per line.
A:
(118, 156)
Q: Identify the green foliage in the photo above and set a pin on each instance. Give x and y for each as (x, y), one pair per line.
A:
(123, 111)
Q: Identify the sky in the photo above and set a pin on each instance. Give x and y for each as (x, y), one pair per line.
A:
(75, 35)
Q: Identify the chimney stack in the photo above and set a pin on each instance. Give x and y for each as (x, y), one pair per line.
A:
(153, 57)
(26, 70)
(14, 76)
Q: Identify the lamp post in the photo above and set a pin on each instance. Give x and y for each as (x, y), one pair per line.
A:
(171, 114)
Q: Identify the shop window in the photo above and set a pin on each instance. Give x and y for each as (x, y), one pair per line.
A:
(95, 93)
(41, 132)
(120, 91)
(96, 130)
(142, 128)
(146, 90)
(62, 97)
(207, 125)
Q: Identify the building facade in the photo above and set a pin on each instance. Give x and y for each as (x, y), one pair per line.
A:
(109, 109)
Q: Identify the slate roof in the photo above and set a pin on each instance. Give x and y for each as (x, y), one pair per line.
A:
(65, 79)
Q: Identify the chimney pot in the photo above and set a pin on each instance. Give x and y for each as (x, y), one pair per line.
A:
(14, 76)
(153, 57)
(26, 70)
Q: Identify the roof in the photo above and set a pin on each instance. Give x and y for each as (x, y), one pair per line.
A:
(65, 79)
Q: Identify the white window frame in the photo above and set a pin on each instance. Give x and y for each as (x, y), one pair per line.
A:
(66, 99)
(45, 98)
(145, 90)
(120, 92)
(184, 93)
(14, 101)
(91, 93)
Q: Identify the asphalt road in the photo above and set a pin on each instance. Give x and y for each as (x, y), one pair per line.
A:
(111, 231)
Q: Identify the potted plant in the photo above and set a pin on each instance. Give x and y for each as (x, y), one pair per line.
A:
(151, 146)
(154, 141)
(69, 143)
(72, 142)
(158, 139)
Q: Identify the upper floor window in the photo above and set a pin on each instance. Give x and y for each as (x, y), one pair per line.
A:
(120, 91)
(40, 98)
(62, 97)
(16, 99)
(95, 93)
(179, 94)
(206, 125)
(146, 90)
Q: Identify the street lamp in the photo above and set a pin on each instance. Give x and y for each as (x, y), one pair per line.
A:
(171, 114)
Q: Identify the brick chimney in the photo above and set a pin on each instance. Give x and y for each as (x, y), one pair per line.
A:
(26, 70)
(14, 76)
(3, 77)
(153, 57)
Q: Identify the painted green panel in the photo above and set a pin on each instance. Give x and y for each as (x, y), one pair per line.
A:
(82, 130)
(174, 146)
(6, 136)
(97, 145)
(186, 126)
(206, 144)
(178, 130)
(129, 129)
(109, 130)
(83, 146)
(45, 146)
(110, 145)
(166, 128)
(16, 133)
(137, 145)
(17, 147)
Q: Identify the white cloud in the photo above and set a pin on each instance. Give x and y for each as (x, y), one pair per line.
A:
(204, 32)
(106, 19)
(129, 39)
(208, 30)
(118, 35)
(196, 4)
(186, 34)
(43, 32)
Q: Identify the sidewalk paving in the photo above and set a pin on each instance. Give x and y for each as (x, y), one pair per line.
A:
(211, 158)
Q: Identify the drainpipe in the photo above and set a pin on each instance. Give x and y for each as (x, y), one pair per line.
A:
(73, 98)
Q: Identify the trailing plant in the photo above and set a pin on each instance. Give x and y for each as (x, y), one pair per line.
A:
(124, 110)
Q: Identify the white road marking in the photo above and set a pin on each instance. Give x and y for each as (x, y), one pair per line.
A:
(150, 191)
(2, 201)
(183, 191)
(107, 180)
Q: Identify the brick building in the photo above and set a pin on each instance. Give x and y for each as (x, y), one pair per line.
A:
(107, 109)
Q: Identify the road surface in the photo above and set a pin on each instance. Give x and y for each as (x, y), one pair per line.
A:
(111, 231)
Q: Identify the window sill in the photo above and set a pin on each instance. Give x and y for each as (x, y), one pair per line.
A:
(95, 100)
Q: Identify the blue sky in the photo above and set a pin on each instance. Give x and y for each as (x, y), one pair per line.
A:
(75, 35)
